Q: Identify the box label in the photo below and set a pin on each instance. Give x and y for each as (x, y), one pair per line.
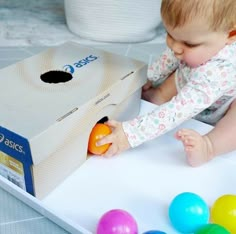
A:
(12, 169)
(15, 145)
(16, 160)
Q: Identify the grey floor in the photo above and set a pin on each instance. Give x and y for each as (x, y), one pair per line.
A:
(19, 218)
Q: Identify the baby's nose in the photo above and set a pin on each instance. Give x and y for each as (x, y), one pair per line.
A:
(177, 48)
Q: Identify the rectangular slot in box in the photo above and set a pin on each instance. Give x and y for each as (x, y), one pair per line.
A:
(51, 101)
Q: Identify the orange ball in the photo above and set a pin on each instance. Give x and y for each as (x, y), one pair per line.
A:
(99, 131)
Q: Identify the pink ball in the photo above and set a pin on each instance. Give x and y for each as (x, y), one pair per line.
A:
(117, 222)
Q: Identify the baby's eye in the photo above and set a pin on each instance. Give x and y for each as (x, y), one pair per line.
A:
(191, 45)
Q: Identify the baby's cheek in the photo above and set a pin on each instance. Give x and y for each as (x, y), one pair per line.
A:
(195, 59)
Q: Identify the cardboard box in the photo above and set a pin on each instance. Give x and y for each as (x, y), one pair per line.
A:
(49, 104)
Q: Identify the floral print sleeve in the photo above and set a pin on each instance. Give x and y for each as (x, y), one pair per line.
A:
(204, 86)
(162, 67)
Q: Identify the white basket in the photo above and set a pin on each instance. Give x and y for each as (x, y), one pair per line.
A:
(114, 20)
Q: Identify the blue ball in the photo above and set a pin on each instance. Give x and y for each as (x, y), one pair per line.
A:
(154, 232)
(188, 211)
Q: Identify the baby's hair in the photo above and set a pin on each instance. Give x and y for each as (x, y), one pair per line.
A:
(221, 14)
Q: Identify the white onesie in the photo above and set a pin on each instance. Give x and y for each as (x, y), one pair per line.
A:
(204, 92)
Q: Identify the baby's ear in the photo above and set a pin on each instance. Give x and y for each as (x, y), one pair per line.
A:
(232, 35)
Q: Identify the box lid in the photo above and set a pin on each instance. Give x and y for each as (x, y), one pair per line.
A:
(39, 90)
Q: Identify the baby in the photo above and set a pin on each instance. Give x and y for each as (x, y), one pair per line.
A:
(195, 77)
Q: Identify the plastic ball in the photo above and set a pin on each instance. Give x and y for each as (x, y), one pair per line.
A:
(223, 212)
(212, 229)
(187, 212)
(117, 222)
(99, 131)
(154, 232)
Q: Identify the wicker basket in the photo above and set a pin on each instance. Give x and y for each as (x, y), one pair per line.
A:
(114, 20)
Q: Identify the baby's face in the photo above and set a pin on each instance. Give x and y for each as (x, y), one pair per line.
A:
(194, 43)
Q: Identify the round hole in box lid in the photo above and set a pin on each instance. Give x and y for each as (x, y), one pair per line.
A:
(56, 76)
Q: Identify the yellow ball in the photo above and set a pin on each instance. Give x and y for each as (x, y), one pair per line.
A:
(223, 212)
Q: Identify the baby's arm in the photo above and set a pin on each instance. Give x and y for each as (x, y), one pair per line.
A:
(160, 86)
(202, 89)
(162, 68)
(161, 94)
(197, 95)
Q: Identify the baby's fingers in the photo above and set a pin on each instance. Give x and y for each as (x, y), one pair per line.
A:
(105, 140)
(112, 124)
(112, 150)
(147, 86)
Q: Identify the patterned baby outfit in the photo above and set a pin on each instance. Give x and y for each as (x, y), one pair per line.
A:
(204, 92)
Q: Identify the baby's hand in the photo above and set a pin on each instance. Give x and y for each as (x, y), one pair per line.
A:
(148, 92)
(117, 138)
(147, 86)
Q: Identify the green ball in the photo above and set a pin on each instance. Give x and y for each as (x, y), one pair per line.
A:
(212, 229)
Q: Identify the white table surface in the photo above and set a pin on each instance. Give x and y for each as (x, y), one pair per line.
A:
(142, 181)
